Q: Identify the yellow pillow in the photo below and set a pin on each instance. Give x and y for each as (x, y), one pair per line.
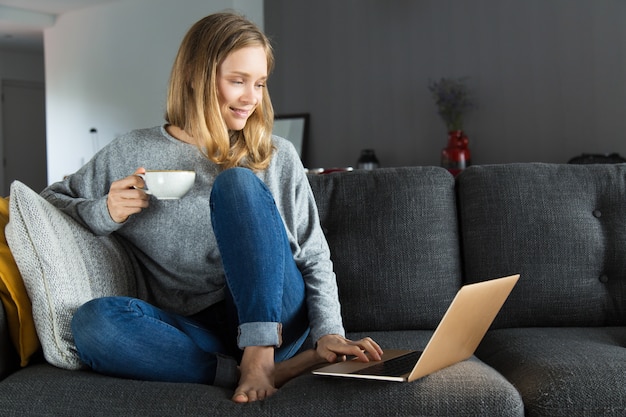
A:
(14, 296)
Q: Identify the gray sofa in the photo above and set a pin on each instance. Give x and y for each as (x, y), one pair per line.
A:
(403, 241)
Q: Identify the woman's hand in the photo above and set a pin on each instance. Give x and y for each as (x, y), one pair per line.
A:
(333, 347)
(126, 197)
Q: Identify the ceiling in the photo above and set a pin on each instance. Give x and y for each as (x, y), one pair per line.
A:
(22, 21)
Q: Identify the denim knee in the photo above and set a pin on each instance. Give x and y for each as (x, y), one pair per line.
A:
(233, 177)
(237, 182)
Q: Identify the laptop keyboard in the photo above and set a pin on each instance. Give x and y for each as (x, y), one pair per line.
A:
(392, 367)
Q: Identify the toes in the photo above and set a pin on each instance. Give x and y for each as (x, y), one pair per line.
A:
(240, 397)
(252, 395)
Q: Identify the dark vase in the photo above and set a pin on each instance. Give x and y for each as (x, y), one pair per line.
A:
(456, 156)
(367, 160)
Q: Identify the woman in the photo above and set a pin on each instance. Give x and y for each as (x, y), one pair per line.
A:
(236, 274)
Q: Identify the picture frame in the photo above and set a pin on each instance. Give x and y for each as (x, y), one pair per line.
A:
(294, 128)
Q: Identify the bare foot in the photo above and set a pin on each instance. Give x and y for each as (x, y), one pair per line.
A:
(261, 377)
(257, 374)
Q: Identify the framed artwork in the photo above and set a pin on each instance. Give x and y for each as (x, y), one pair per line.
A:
(294, 128)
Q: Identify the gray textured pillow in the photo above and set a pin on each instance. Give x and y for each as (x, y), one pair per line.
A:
(63, 266)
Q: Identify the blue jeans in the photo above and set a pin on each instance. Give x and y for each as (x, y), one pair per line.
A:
(265, 304)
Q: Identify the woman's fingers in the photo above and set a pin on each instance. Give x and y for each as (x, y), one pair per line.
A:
(333, 346)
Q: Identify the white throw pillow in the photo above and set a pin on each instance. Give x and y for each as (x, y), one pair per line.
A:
(63, 265)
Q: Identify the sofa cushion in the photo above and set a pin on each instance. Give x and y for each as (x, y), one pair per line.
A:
(393, 238)
(470, 388)
(562, 227)
(63, 266)
(562, 371)
(14, 297)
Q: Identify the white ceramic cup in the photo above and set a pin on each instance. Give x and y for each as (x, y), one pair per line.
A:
(168, 184)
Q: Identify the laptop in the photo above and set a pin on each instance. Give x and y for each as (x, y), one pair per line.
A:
(457, 336)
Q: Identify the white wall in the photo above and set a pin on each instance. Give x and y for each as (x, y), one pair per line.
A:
(107, 67)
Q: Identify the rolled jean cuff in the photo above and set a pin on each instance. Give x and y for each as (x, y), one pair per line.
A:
(226, 372)
(260, 334)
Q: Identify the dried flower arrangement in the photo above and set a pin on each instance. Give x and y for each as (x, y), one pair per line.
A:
(453, 100)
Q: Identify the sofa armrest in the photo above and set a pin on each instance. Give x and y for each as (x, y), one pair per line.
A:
(8, 357)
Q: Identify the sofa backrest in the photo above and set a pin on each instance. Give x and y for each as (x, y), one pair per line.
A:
(394, 242)
(562, 227)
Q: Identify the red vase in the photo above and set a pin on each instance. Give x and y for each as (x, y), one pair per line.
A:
(456, 156)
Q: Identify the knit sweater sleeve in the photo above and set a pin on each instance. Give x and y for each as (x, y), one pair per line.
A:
(294, 197)
(83, 195)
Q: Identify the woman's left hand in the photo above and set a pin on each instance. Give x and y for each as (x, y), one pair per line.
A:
(332, 347)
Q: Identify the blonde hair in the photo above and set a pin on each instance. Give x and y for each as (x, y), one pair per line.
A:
(192, 100)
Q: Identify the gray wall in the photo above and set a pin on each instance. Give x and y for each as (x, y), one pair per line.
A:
(549, 76)
(19, 66)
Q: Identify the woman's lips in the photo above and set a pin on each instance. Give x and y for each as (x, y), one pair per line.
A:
(240, 113)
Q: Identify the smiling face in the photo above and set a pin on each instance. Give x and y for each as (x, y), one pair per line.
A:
(241, 79)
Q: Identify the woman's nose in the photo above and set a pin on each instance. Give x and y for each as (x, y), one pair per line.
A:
(250, 95)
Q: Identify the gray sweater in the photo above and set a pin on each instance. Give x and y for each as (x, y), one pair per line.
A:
(173, 240)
